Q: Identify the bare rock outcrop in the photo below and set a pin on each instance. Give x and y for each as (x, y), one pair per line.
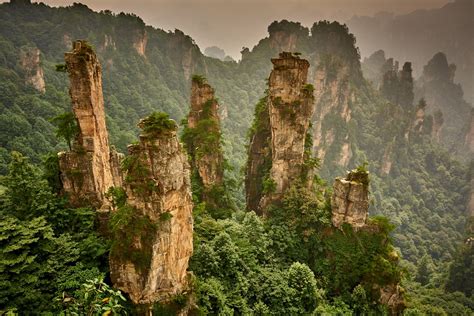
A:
(285, 35)
(140, 42)
(153, 232)
(91, 168)
(392, 296)
(31, 64)
(350, 199)
(290, 106)
(203, 136)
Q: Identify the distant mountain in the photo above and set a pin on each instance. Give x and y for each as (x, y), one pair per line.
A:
(417, 36)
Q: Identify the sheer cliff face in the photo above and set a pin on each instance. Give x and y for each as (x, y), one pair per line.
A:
(350, 199)
(207, 157)
(149, 262)
(259, 157)
(290, 106)
(87, 170)
(30, 62)
(140, 42)
(332, 98)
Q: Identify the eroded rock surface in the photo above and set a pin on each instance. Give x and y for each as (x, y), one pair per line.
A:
(151, 251)
(91, 168)
(350, 199)
(31, 64)
(332, 96)
(204, 141)
(259, 158)
(140, 42)
(290, 106)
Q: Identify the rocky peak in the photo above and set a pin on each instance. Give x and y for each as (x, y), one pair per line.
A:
(153, 232)
(284, 35)
(290, 106)
(31, 65)
(203, 122)
(91, 168)
(350, 199)
(397, 86)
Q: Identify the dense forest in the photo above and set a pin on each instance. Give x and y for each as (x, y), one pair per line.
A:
(369, 117)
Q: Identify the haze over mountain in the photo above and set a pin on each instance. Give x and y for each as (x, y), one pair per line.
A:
(417, 36)
(237, 23)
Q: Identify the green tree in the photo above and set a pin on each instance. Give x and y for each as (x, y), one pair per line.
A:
(67, 127)
(424, 270)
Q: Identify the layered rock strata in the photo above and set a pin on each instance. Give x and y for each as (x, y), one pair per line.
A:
(151, 249)
(290, 108)
(91, 168)
(350, 199)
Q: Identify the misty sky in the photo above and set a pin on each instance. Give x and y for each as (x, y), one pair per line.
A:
(232, 24)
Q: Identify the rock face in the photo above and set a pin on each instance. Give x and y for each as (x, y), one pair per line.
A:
(442, 94)
(259, 157)
(397, 86)
(332, 97)
(350, 199)
(91, 168)
(30, 62)
(140, 42)
(392, 296)
(204, 115)
(285, 35)
(150, 254)
(290, 107)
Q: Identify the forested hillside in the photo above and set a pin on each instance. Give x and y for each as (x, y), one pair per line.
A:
(415, 181)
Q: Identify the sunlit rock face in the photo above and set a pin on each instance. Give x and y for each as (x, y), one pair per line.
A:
(86, 171)
(290, 106)
(31, 65)
(204, 110)
(350, 199)
(150, 254)
(140, 42)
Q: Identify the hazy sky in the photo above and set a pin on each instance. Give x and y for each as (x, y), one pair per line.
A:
(233, 24)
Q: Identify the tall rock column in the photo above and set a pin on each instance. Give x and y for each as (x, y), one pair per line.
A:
(86, 171)
(259, 157)
(31, 65)
(290, 106)
(202, 137)
(153, 231)
(204, 116)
